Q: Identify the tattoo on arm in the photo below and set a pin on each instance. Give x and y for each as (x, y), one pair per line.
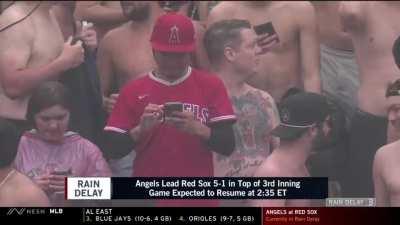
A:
(255, 113)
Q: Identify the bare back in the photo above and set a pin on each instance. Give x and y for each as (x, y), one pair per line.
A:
(373, 40)
(20, 191)
(277, 165)
(281, 68)
(34, 42)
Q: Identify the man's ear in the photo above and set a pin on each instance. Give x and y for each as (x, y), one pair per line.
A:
(312, 131)
(391, 115)
(229, 54)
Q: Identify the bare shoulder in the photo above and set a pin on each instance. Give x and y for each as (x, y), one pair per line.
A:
(198, 27)
(114, 36)
(387, 152)
(291, 6)
(269, 168)
(262, 93)
(224, 10)
(12, 14)
(29, 194)
(301, 10)
(225, 7)
(386, 159)
(14, 33)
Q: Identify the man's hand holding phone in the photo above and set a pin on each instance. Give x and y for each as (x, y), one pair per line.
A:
(267, 37)
(151, 117)
(184, 121)
(170, 107)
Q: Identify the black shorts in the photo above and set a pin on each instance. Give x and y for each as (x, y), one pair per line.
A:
(367, 134)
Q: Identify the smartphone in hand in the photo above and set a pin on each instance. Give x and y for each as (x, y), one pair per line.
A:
(267, 37)
(264, 28)
(62, 172)
(170, 107)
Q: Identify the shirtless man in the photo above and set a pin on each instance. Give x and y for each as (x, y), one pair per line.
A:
(373, 28)
(339, 70)
(16, 190)
(304, 127)
(85, 84)
(106, 15)
(339, 82)
(31, 51)
(115, 62)
(386, 165)
(232, 48)
(294, 60)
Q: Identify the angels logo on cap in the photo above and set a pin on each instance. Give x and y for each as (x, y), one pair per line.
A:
(173, 32)
(174, 35)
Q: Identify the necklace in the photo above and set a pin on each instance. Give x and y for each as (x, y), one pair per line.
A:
(7, 177)
(20, 20)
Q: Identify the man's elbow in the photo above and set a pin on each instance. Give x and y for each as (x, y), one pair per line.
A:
(116, 145)
(222, 140)
(13, 91)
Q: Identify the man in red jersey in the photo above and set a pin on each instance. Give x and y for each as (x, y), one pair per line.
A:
(172, 140)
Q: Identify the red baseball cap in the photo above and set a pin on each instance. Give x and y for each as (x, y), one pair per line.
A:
(173, 32)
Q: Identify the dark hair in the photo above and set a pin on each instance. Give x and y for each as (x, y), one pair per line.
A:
(396, 51)
(295, 136)
(48, 94)
(221, 34)
(393, 89)
(290, 92)
(9, 140)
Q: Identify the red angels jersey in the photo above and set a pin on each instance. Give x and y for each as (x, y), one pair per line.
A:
(167, 151)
